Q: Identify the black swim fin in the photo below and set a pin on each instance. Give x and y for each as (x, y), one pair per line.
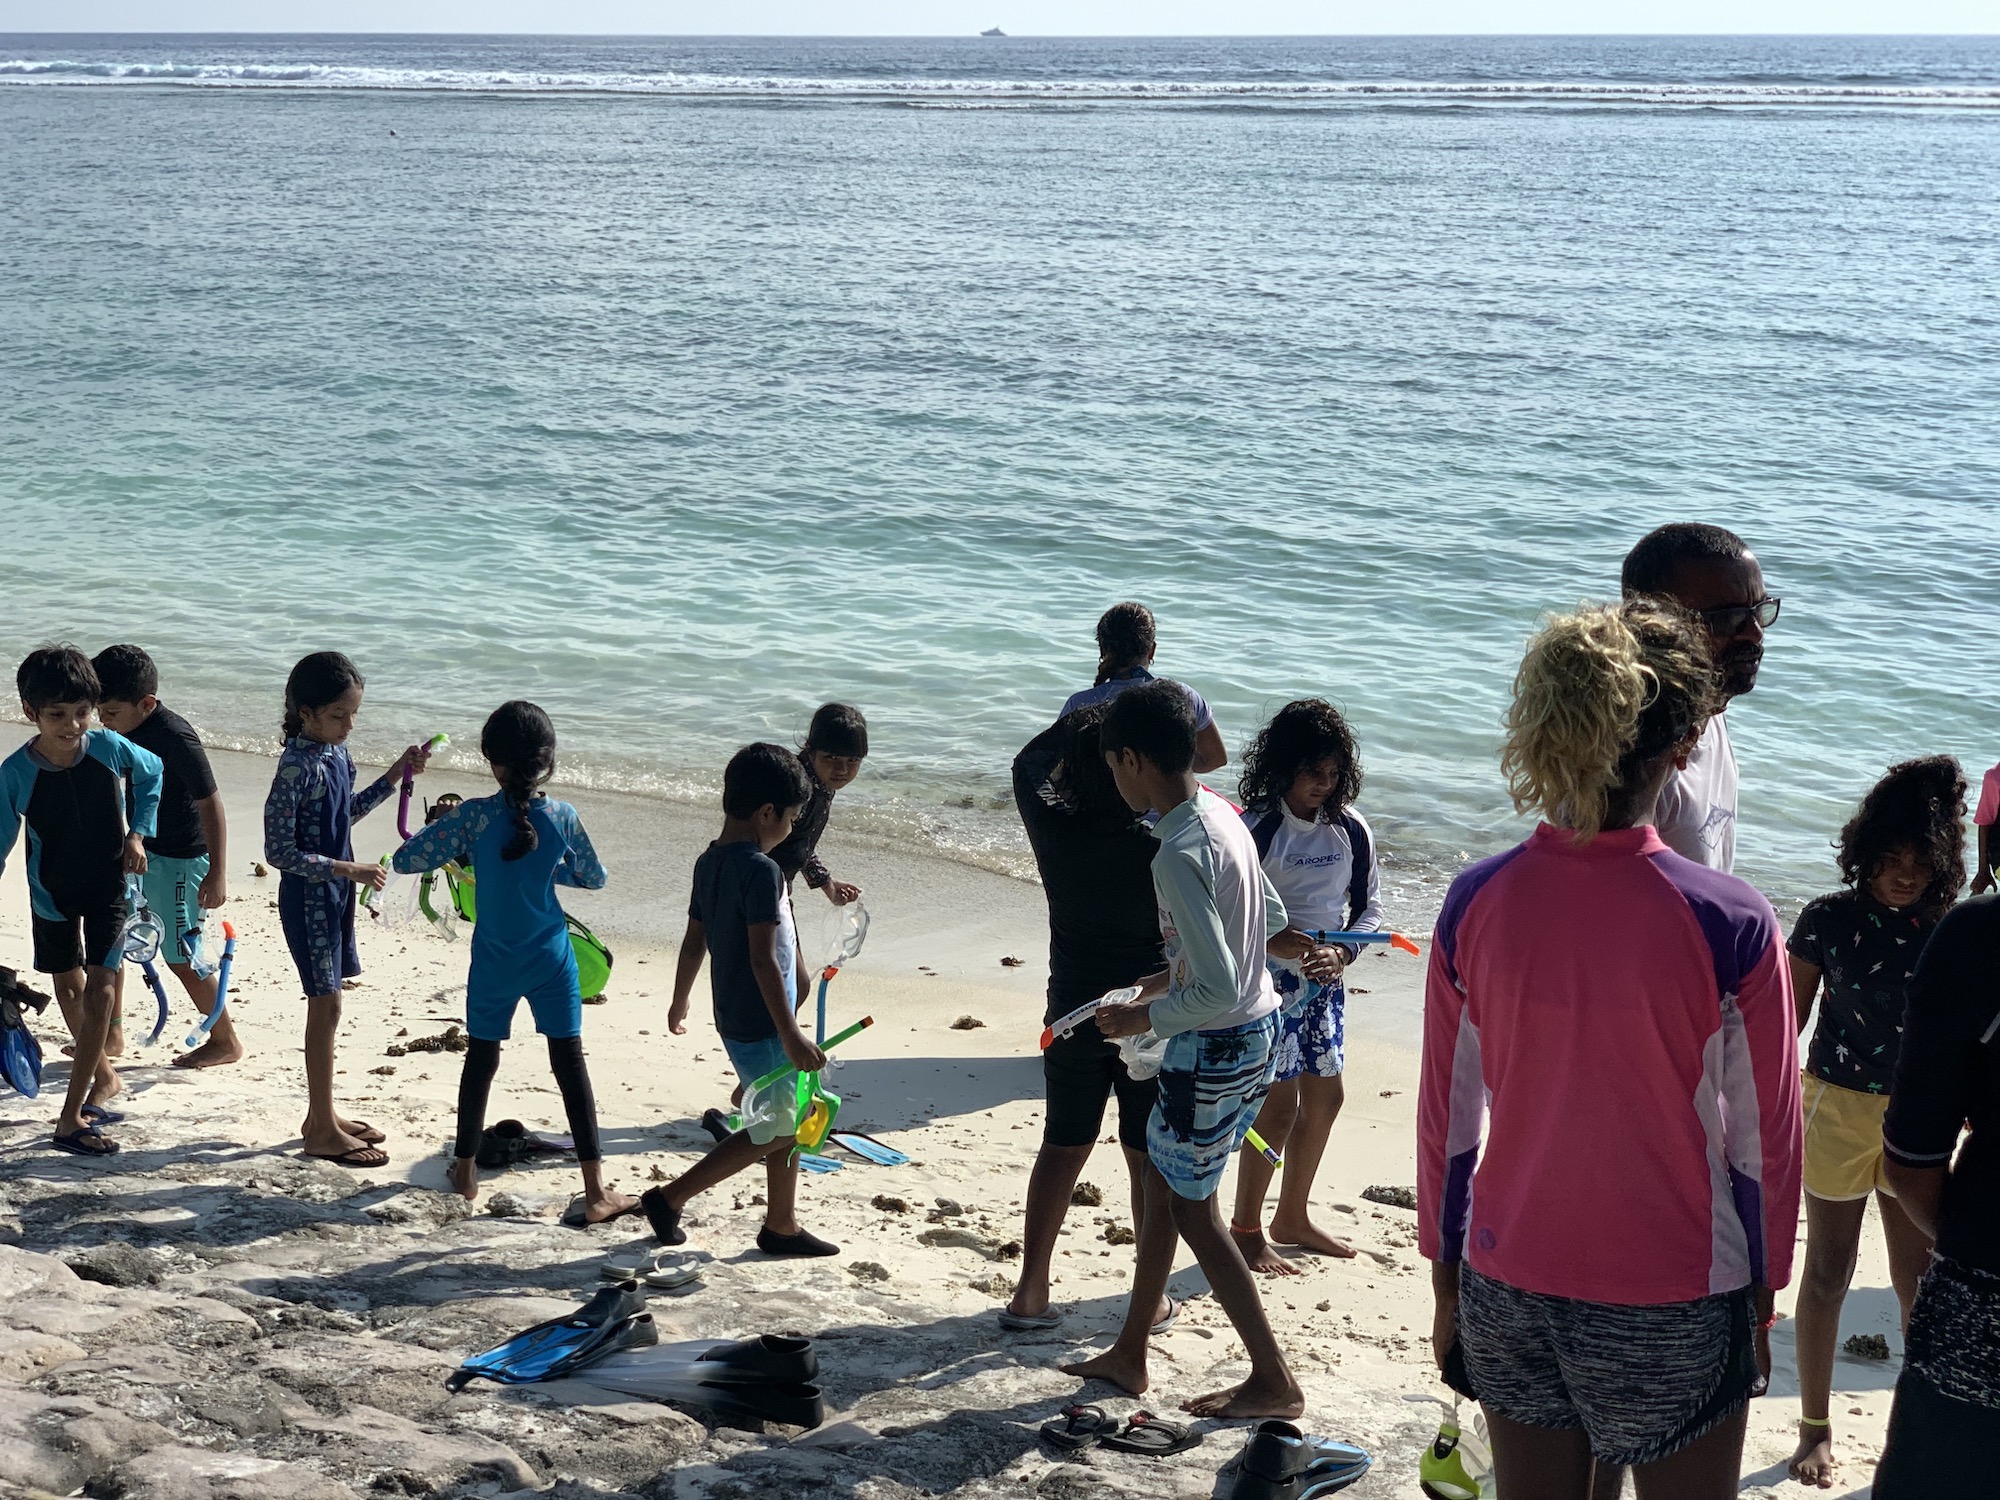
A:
(561, 1346)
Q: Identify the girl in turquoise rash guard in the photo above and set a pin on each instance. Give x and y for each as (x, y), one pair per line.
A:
(521, 846)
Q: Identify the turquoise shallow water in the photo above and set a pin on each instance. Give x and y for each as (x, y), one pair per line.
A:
(680, 385)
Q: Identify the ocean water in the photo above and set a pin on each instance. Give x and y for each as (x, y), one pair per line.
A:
(682, 384)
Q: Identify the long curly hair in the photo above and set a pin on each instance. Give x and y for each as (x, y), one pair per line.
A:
(1301, 735)
(1918, 805)
(520, 743)
(1601, 695)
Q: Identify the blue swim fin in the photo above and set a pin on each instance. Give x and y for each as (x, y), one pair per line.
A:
(20, 1053)
(810, 1163)
(613, 1319)
(869, 1149)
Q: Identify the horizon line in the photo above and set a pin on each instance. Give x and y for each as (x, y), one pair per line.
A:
(1109, 36)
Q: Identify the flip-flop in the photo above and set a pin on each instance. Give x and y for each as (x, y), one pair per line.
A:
(1015, 1322)
(359, 1156)
(575, 1217)
(1153, 1436)
(671, 1278)
(716, 1123)
(868, 1148)
(367, 1134)
(85, 1142)
(1077, 1427)
(98, 1114)
(642, 1262)
(1173, 1313)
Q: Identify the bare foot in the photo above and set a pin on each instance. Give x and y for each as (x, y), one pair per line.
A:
(361, 1130)
(1309, 1236)
(1250, 1399)
(1260, 1256)
(353, 984)
(1814, 1463)
(339, 1146)
(102, 1093)
(211, 1054)
(608, 1206)
(1120, 1369)
(464, 1176)
(114, 1042)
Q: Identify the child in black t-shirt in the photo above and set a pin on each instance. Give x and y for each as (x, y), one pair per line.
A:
(1902, 857)
(740, 917)
(836, 744)
(187, 858)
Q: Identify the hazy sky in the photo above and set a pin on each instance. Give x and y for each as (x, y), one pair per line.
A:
(1044, 17)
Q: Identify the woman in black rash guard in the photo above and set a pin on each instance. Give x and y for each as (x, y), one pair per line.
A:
(1096, 863)
(1945, 1425)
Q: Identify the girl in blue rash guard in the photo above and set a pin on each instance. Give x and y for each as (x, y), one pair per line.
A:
(521, 846)
(308, 836)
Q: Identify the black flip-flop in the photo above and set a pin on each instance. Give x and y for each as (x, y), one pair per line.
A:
(577, 1215)
(716, 1123)
(1077, 1427)
(358, 1157)
(1153, 1436)
(86, 1142)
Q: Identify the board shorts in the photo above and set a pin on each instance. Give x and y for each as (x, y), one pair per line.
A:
(1080, 1074)
(752, 1061)
(1212, 1083)
(1843, 1150)
(1945, 1424)
(1312, 1036)
(1642, 1382)
(88, 938)
(173, 891)
(556, 1005)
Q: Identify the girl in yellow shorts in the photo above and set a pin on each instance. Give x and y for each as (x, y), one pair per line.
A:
(1902, 861)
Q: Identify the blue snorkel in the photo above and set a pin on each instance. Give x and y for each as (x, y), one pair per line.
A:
(200, 1034)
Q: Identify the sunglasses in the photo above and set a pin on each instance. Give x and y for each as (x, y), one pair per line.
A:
(1729, 619)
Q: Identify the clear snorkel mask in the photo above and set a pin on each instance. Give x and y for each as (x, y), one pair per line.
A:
(140, 938)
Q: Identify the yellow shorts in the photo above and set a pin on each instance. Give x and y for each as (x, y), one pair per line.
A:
(1843, 1140)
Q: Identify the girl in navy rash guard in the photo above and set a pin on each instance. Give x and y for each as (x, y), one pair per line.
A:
(521, 846)
(308, 836)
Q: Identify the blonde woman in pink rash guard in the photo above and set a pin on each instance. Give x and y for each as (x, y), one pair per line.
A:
(1608, 1123)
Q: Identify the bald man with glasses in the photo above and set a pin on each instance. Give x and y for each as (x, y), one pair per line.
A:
(1712, 574)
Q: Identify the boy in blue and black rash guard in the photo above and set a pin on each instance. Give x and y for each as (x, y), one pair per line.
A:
(67, 785)
(521, 845)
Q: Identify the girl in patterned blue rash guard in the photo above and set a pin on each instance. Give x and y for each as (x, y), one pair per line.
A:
(521, 846)
(308, 836)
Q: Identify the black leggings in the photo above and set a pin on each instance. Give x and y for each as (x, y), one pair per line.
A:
(482, 1061)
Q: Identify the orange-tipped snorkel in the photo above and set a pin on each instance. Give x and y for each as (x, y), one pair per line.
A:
(200, 1034)
(1362, 939)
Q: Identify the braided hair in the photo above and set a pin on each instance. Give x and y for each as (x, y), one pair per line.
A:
(520, 743)
(1126, 637)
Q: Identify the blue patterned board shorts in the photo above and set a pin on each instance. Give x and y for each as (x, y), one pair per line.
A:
(1212, 1084)
(1312, 1036)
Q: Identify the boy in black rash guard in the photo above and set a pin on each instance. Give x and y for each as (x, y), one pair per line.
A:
(67, 785)
(186, 859)
(1945, 1425)
(836, 744)
(1096, 861)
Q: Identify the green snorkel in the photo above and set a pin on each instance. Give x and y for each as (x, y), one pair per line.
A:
(813, 1108)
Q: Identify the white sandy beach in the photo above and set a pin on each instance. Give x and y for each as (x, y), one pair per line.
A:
(236, 1268)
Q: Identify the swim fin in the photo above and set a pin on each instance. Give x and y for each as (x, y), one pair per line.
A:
(1280, 1462)
(561, 1346)
(20, 1053)
(766, 1379)
(868, 1148)
(810, 1163)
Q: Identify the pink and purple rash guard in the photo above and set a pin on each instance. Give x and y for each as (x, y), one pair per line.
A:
(1617, 1021)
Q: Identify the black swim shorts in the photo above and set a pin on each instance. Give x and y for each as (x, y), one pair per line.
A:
(1080, 1073)
(89, 938)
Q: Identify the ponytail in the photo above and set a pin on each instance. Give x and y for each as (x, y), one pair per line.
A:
(520, 743)
(316, 681)
(1126, 638)
(1601, 695)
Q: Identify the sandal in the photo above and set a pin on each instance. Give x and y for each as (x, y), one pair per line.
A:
(1153, 1436)
(1078, 1427)
(359, 1156)
(367, 1134)
(86, 1142)
(97, 1114)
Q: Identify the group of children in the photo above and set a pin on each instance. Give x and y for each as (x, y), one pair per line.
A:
(1213, 921)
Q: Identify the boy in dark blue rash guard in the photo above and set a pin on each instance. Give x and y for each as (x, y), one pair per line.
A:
(67, 785)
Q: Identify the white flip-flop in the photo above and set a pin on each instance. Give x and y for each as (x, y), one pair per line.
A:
(655, 1261)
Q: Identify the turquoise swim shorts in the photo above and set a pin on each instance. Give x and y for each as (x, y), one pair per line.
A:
(173, 891)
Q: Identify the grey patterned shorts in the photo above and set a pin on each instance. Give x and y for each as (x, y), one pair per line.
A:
(1642, 1382)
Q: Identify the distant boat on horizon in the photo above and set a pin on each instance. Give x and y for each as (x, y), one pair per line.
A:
(996, 31)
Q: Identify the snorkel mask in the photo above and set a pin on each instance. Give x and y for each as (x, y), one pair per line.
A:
(140, 938)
